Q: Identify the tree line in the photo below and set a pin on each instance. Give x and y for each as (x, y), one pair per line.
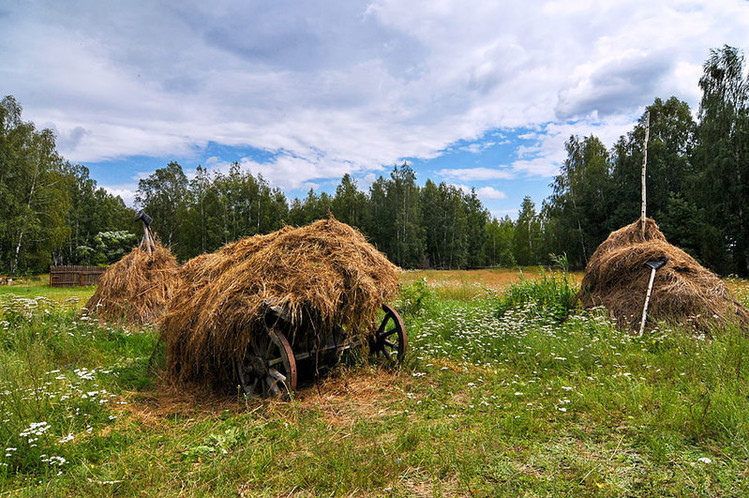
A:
(52, 212)
(698, 176)
(698, 183)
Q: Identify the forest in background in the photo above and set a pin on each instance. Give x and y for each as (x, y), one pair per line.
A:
(52, 212)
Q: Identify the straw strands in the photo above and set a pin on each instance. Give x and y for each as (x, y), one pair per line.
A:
(323, 275)
(136, 289)
(683, 290)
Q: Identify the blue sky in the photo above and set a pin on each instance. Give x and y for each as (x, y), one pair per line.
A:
(478, 94)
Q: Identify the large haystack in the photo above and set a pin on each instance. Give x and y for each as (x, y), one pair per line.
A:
(683, 291)
(136, 289)
(323, 274)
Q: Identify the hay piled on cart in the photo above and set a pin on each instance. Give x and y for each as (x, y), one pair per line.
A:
(324, 274)
(136, 289)
(683, 291)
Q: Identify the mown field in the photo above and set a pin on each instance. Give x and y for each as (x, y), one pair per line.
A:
(496, 397)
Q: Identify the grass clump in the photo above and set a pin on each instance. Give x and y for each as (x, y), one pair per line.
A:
(553, 294)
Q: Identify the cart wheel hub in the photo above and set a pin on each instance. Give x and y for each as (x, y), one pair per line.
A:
(258, 365)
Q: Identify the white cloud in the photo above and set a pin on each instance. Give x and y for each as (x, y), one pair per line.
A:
(476, 174)
(126, 191)
(490, 193)
(482, 193)
(354, 85)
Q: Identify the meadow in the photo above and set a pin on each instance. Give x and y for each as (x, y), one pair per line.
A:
(507, 390)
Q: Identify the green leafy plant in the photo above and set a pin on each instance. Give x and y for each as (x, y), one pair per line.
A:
(553, 294)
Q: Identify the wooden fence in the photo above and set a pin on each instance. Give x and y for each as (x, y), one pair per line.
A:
(70, 276)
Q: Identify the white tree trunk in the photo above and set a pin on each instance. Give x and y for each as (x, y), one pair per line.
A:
(644, 171)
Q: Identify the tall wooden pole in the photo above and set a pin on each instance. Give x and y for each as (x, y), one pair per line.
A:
(644, 171)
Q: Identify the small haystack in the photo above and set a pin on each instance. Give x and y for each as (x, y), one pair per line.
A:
(137, 288)
(322, 275)
(683, 291)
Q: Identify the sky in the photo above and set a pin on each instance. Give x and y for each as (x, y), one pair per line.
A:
(481, 95)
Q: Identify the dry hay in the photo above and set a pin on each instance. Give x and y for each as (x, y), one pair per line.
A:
(137, 288)
(683, 291)
(323, 275)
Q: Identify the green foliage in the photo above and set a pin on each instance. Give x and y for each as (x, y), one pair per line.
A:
(92, 211)
(112, 246)
(414, 297)
(581, 202)
(33, 189)
(349, 204)
(527, 235)
(550, 295)
(721, 153)
(403, 231)
(162, 195)
(498, 246)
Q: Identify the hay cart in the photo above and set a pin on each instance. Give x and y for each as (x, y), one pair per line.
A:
(273, 364)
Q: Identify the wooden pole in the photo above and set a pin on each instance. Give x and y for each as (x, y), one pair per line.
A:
(147, 239)
(644, 171)
(647, 301)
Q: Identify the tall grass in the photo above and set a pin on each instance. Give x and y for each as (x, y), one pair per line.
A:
(54, 392)
(552, 294)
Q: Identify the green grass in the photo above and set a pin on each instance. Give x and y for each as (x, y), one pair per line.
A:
(39, 286)
(488, 403)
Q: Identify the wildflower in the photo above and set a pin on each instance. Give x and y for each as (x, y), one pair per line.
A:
(705, 460)
(35, 429)
(53, 460)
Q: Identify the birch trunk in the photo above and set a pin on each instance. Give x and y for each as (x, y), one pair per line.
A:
(644, 172)
(22, 231)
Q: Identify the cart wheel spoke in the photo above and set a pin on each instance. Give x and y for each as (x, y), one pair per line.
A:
(390, 339)
(273, 388)
(277, 375)
(268, 368)
(389, 332)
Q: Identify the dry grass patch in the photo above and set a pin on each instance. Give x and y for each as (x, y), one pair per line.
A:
(347, 398)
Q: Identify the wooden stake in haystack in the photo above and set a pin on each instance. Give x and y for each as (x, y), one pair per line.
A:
(148, 240)
(653, 265)
(644, 172)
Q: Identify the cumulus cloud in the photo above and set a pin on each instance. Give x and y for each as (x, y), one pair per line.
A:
(352, 85)
(476, 174)
(483, 193)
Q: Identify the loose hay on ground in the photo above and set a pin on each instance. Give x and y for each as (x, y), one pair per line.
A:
(136, 289)
(323, 275)
(683, 291)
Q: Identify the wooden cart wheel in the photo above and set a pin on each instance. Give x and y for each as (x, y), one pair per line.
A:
(390, 338)
(268, 367)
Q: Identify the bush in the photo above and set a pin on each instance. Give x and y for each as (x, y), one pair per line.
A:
(551, 295)
(413, 297)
